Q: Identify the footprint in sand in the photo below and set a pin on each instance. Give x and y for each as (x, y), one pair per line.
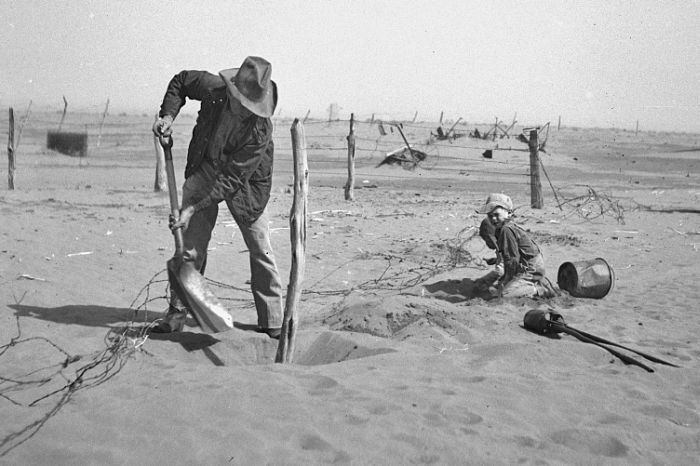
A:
(449, 416)
(318, 384)
(676, 414)
(313, 442)
(590, 442)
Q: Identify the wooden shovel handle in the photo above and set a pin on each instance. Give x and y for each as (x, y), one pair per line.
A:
(167, 143)
(623, 357)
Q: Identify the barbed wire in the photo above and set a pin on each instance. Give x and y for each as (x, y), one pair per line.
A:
(594, 204)
(401, 272)
(121, 343)
(375, 148)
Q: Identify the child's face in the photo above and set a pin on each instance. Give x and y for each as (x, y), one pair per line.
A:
(498, 216)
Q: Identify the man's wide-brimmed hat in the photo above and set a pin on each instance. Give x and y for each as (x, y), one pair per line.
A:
(496, 200)
(251, 86)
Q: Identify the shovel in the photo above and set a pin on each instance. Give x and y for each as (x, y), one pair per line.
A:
(189, 284)
(544, 322)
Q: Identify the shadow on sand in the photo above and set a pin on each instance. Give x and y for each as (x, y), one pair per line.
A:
(456, 291)
(192, 341)
(80, 314)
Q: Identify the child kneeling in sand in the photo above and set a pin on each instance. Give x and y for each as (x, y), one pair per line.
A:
(489, 282)
(524, 273)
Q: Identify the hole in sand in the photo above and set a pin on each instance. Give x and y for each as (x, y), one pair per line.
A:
(313, 348)
(330, 347)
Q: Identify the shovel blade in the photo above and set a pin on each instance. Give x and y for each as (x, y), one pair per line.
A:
(206, 308)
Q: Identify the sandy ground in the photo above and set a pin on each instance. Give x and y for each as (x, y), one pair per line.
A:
(397, 361)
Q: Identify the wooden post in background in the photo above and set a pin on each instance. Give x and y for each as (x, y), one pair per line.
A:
(11, 151)
(535, 183)
(21, 125)
(371, 122)
(65, 109)
(415, 115)
(297, 224)
(350, 184)
(452, 128)
(161, 183)
(408, 146)
(559, 123)
(102, 123)
(307, 115)
(554, 191)
(441, 114)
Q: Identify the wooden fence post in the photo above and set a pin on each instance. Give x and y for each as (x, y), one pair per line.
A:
(102, 123)
(554, 191)
(350, 184)
(441, 114)
(415, 115)
(160, 183)
(297, 224)
(21, 125)
(559, 123)
(408, 146)
(453, 126)
(65, 109)
(535, 184)
(307, 115)
(11, 152)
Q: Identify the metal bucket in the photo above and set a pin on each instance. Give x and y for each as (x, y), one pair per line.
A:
(586, 279)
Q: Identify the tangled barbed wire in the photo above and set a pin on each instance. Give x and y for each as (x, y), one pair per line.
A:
(74, 372)
(401, 272)
(594, 204)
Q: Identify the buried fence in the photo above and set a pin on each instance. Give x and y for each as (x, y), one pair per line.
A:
(373, 144)
(352, 154)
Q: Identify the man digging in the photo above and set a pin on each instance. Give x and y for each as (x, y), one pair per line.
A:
(229, 159)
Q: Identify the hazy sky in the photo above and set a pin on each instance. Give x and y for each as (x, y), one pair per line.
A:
(604, 63)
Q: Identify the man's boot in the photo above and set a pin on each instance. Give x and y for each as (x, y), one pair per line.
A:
(174, 319)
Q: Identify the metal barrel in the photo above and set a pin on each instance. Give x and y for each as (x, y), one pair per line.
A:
(586, 279)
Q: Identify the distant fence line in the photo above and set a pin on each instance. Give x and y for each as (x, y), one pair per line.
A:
(462, 155)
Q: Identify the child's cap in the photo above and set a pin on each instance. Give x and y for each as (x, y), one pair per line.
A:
(496, 200)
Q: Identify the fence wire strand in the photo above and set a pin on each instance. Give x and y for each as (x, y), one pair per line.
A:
(75, 372)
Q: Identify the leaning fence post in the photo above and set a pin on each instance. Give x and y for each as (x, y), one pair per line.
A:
(11, 152)
(554, 191)
(65, 109)
(160, 183)
(21, 125)
(297, 224)
(408, 146)
(102, 123)
(535, 184)
(350, 184)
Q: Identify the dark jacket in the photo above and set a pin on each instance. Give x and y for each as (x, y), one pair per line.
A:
(520, 253)
(242, 158)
